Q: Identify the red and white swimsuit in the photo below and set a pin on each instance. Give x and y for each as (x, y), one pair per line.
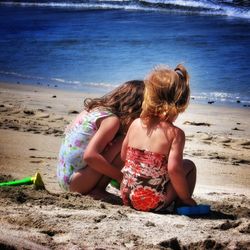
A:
(144, 184)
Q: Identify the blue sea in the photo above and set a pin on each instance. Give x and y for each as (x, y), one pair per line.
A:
(96, 45)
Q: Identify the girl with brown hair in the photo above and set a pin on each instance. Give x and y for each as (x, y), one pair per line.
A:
(90, 151)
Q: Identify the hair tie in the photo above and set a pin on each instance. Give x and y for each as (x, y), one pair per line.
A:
(179, 73)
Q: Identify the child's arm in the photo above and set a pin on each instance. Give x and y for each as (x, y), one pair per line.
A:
(126, 140)
(113, 149)
(175, 168)
(93, 153)
(124, 148)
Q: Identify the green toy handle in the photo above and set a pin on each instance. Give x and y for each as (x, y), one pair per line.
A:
(24, 181)
(36, 180)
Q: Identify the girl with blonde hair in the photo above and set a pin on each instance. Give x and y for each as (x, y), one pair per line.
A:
(155, 173)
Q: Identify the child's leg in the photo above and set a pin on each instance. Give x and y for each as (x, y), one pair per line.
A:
(105, 180)
(190, 172)
(86, 180)
(99, 191)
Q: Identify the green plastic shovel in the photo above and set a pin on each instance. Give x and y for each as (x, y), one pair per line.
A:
(36, 180)
(115, 184)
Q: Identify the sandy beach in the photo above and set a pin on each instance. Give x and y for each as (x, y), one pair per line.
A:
(32, 121)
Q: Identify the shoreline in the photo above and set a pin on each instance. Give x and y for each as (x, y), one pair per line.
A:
(32, 121)
(234, 103)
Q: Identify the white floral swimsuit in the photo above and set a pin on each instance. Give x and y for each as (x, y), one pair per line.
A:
(77, 138)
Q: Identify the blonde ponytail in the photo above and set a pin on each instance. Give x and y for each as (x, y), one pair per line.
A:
(166, 93)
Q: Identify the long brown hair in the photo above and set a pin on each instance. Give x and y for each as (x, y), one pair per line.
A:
(125, 101)
(167, 93)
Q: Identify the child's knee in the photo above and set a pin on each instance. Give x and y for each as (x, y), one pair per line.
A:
(189, 164)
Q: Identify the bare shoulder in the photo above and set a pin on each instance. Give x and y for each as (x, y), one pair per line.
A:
(110, 121)
(134, 127)
(136, 122)
(174, 132)
(179, 134)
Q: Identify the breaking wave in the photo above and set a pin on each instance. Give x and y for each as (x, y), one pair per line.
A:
(231, 8)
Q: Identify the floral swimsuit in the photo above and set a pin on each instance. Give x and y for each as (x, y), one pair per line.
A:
(77, 138)
(145, 180)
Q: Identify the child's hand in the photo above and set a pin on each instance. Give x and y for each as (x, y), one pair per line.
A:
(189, 202)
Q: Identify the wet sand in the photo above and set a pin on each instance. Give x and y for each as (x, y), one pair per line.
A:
(32, 121)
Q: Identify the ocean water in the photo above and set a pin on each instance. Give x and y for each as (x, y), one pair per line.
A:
(96, 45)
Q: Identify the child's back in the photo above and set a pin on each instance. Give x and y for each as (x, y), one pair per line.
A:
(158, 138)
(155, 173)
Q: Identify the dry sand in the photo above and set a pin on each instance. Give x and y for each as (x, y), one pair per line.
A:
(32, 120)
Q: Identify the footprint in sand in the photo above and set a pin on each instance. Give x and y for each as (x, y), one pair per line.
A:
(3, 108)
(216, 156)
(34, 130)
(237, 129)
(223, 140)
(52, 232)
(99, 218)
(32, 149)
(73, 112)
(245, 145)
(28, 112)
(197, 123)
(228, 225)
(54, 131)
(208, 243)
(42, 157)
(36, 161)
(240, 161)
(226, 142)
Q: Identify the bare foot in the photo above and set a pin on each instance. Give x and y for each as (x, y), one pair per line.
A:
(105, 196)
(98, 194)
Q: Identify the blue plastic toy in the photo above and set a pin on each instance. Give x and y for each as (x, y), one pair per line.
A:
(194, 210)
